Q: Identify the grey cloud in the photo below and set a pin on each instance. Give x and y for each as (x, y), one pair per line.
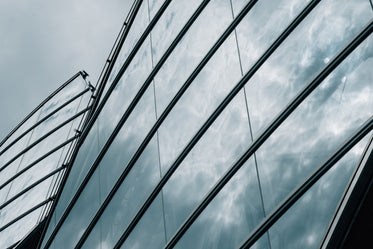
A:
(43, 43)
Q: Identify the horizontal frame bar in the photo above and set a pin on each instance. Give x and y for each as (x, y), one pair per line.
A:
(38, 160)
(26, 213)
(42, 120)
(39, 106)
(31, 186)
(43, 137)
(270, 129)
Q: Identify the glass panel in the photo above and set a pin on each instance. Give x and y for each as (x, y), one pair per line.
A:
(110, 115)
(138, 27)
(132, 193)
(326, 118)
(88, 152)
(24, 203)
(235, 211)
(58, 137)
(18, 230)
(307, 220)
(218, 149)
(152, 222)
(60, 117)
(154, 6)
(170, 24)
(198, 102)
(38, 171)
(12, 152)
(196, 43)
(71, 90)
(30, 122)
(111, 166)
(317, 39)
(5, 175)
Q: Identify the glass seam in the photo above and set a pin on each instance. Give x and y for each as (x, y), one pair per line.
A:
(190, 79)
(109, 91)
(271, 128)
(157, 135)
(250, 127)
(284, 206)
(136, 99)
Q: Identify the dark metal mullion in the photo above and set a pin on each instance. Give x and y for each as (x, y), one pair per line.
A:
(43, 119)
(43, 137)
(101, 105)
(125, 116)
(39, 106)
(26, 213)
(271, 128)
(31, 186)
(111, 61)
(204, 128)
(307, 184)
(37, 161)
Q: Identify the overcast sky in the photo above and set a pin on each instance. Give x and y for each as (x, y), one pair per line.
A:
(43, 43)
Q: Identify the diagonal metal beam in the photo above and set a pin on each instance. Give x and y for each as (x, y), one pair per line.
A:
(15, 197)
(26, 213)
(39, 106)
(92, 120)
(43, 119)
(44, 137)
(37, 161)
(307, 184)
(308, 89)
(131, 107)
(208, 123)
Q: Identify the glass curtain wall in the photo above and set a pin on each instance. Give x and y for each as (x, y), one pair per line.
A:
(32, 158)
(265, 89)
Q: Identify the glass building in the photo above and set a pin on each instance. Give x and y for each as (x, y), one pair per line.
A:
(216, 124)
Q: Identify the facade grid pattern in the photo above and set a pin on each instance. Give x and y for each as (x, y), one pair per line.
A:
(220, 124)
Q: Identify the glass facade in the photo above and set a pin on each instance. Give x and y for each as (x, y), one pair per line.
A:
(34, 157)
(215, 121)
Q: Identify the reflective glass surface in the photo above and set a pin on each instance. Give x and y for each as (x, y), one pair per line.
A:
(109, 116)
(34, 156)
(18, 230)
(307, 220)
(321, 122)
(118, 155)
(329, 115)
(131, 194)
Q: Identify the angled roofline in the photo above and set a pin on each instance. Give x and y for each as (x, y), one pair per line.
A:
(80, 73)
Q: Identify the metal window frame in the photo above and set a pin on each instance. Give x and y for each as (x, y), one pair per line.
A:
(113, 55)
(292, 198)
(92, 119)
(26, 213)
(44, 137)
(37, 161)
(25, 190)
(42, 120)
(210, 120)
(40, 105)
(270, 129)
(131, 107)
